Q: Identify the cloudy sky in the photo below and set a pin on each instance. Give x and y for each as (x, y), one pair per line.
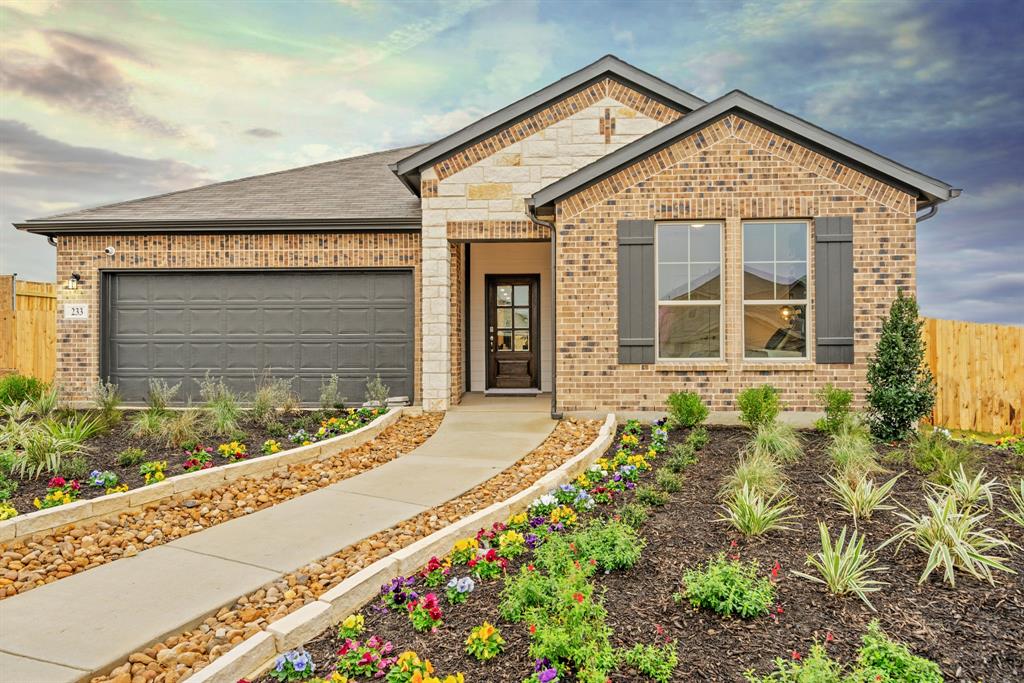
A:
(105, 101)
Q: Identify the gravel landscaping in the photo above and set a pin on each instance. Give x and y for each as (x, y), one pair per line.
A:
(178, 656)
(55, 555)
(632, 616)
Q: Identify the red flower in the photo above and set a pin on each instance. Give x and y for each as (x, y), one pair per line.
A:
(775, 570)
(578, 597)
(533, 628)
(733, 544)
(795, 655)
(659, 629)
(828, 637)
(531, 568)
(778, 609)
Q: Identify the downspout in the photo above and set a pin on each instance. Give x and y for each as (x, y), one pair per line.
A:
(932, 210)
(532, 215)
(52, 240)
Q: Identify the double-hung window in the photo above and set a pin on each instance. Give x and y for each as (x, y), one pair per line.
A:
(775, 289)
(689, 289)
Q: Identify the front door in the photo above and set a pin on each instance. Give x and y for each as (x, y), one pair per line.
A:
(513, 349)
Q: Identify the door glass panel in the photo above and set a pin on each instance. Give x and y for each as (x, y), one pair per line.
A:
(504, 339)
(504, 295)
(522, 294)
(522, 319)
(505, 317)
(522, 341)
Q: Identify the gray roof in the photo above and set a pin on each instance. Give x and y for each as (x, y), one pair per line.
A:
(353, 192)
(929, 190)
(609, 65)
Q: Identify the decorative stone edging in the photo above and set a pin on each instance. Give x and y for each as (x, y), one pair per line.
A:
(23, 526)
(253, 656)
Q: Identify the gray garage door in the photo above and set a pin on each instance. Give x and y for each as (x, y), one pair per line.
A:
(303, 324)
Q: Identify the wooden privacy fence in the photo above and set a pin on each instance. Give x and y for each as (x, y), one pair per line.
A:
(979, 370)
(28, 327)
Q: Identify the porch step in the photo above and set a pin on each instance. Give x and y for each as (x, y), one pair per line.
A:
(512, 392)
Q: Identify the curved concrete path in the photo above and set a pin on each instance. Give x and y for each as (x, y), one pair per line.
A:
(87, 623)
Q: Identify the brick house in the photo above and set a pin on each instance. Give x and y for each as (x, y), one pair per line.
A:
(608, 239)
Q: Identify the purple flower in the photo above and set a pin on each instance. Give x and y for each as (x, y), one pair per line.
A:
(545, 672)
(532, 541)
(537, 521)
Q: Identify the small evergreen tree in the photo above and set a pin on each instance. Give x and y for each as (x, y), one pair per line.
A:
(902, 387)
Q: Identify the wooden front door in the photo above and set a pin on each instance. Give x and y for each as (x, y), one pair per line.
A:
(513, 337)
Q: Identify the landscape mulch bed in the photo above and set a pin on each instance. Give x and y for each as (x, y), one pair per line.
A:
(974, 631)
(102, 451)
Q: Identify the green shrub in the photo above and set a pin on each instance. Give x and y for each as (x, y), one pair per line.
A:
(836, 404)
(668, 481)
(79, 428)
(130, 457)
(759, 405)
(853, 455)
(686, 409)
(728, 587)
(181, 426)
(42, 451)
(523, 592)
(698, 438)
(330, 394)
(76, 467)
(147, 423)
(222, 404)
(777, 441)
(952, 539)
(862, 497)
(757, 472)
(377, 391)
(816, 667)
(752, 513)
(681, 457)
(8, 487)
(648, 495)
(107, 399)
(844, 567)
(881, 659)
(902, 389)
(272, 396)
(635, 514)
(161, 394)
(936, 455)
(613, 545)
(276, 429)
(657, 663)
(45, 404)
(19, 388)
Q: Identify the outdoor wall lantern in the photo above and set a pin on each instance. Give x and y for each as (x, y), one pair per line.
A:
(74, 280)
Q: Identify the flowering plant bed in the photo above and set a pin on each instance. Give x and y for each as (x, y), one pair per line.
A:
(601, 589)
(130, 461)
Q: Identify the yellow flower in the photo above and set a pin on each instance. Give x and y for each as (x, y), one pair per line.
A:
(630, 440)
(521, 518)
(511, 538)
(466, 544)
(7, 511)
(120, 488)
(354, 621)
(563, 514)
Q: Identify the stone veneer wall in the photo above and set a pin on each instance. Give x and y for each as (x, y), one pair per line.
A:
(78, 341)
(730, 171)
(478, 194)
(458, 318)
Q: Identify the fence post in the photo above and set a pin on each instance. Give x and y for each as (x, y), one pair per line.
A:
(8, 325)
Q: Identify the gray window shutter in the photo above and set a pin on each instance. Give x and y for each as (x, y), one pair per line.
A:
(636, 292)
(833, 289)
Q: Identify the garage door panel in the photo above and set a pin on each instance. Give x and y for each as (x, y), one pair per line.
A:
(391, 357)
(243, 356)
(279, 321)
(206, 355)
(392, 321)
(354, 321)
(169, 321)
(320, 356)
(321, 320)
(304, 325)
(169, 356)
(131, 355)
(133, 322)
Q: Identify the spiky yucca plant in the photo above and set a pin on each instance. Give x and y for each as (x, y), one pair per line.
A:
(862, 497)
(752, 513)
(845, 567)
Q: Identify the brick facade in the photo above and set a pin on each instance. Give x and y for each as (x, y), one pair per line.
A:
(730, 171)
(78, 360)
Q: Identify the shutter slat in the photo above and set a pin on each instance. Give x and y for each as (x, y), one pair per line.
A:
(636, 291)
(833, 285)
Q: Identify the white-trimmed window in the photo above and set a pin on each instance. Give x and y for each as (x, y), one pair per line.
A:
(775, 303)
(689, 289)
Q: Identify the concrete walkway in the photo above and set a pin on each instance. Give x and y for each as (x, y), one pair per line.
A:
(89, 622)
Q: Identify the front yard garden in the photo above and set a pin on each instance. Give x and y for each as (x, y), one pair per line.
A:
(724, 553)
(51, 456)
